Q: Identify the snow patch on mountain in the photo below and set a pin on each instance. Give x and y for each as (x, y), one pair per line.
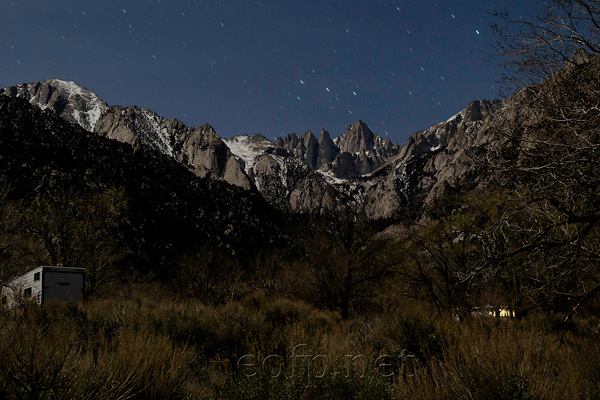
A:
(249, 148)
(240, 147)
(330, 177)
(454, 117)
(154, 130)
(91, 106)
(69, 100)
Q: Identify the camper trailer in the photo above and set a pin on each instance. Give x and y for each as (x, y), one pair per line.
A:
(45, 283)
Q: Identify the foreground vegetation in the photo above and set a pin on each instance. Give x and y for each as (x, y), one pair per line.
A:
(147, 347)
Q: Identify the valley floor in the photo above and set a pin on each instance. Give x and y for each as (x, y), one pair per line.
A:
(149, 347)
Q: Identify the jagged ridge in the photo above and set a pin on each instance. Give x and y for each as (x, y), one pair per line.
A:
(299, 173)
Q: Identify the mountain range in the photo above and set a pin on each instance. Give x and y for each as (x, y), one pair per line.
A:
(298, 173)
(166, 210)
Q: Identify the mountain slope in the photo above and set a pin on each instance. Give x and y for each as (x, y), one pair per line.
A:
(279, 177)
(431, 164)
(198, 148)
(169, 209)
(297, 173)
(70, 101)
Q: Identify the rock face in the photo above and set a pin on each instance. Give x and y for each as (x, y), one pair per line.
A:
(357, 152)
(249, 149)
(303, 173)
(71, 102)
(357, 138)
(432, 163)
(199, 148)
(168, 208)
(284, 180)
(288, 183)
(305, 148)
(327, 149)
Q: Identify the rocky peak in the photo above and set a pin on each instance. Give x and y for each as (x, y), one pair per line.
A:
(309, 137)
(324, 137)
(357, 152)
(293, 144)
(312, 150)
(478, 110)
(204, 135)
(357, 138)
(439, 135)
(70, 101)
(327, 149)
(250, 148)
(198, 148)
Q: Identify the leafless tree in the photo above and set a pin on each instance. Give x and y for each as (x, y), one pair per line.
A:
(267, 267)
(532, 48)
(76, 230)
(209, 273)
(445, 256)
(10, 220)
(547, 234)
(345, 260)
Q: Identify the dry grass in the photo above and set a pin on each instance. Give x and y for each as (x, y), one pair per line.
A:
(145, 349)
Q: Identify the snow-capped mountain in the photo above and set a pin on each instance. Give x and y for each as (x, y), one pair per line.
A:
(198, 148)
(249, 149)
(303, 173)
(432, 163)
(70, 101)
(298, 173)
(284, 180)
(163, 207)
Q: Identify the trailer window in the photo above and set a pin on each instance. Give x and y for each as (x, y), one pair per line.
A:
(36, 276)
(27, 292)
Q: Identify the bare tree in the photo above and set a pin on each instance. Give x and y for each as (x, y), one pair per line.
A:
(267, 268)
(446, 256)
(10, 223)
(547, 234)
(209, 273)
(345, 260)
(532, 48)
(76, 230)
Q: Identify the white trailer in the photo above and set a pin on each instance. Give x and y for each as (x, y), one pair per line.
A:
(45, 283)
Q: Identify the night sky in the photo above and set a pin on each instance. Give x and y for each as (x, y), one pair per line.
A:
(271, 66)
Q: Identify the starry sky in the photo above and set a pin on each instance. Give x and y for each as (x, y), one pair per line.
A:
(270, 66)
